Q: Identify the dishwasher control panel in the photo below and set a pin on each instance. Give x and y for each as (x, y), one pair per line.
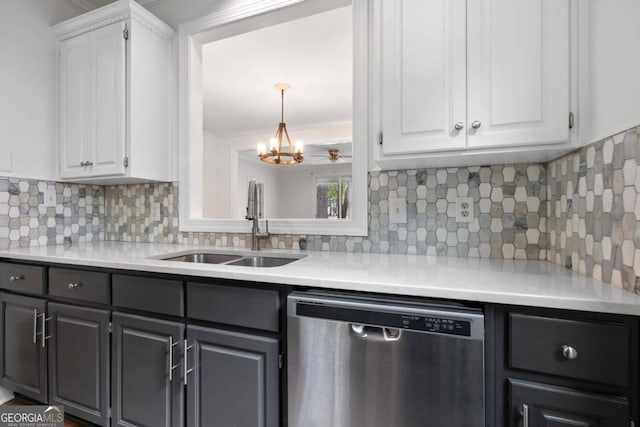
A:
(441, 325)
(417, 322)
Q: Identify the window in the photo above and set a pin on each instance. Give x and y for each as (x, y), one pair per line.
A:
(332, 197)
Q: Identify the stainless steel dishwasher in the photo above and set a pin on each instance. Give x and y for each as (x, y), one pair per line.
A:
(372, 363)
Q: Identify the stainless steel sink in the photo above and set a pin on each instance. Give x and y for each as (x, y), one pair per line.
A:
(262, 261)
(204, 258)
(234, 258)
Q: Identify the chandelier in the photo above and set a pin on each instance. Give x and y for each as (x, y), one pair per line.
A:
(276, 154)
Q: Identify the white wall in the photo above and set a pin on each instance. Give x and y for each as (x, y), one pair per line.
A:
(297, 188)
(28, 86)
(614, 63)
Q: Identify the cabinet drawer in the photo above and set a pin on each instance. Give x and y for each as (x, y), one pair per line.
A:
(539, 344)
(82, 285)
(143, 293)
(252, 308)
(22, 278)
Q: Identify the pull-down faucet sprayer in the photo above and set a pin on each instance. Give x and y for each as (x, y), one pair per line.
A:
(255, 204)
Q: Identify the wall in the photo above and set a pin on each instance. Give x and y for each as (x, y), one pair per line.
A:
(28, 75)
(595, 209)
(614, 66)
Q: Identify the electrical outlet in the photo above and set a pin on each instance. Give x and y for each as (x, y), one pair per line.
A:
(155, 211)
(397, 211)
(464, 209)
(50, 197)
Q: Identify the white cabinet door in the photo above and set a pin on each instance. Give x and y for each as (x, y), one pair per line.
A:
(518, 72)
(75, 114)
(110, 108)
(423, 75)
(93, 103)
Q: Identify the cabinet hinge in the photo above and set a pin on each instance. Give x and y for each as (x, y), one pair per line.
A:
(125, 162)
(110, 327)
(109, 412)
(631, 423)
(125, 33)
(380, 137)
(280, 361)
(571, 120)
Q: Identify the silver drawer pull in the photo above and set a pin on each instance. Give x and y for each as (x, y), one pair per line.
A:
(16, 278)
(35, 325)
(43, 334)
(524, 412)
(74, 285)
(569, 352)
(171, 365)
(186, 351)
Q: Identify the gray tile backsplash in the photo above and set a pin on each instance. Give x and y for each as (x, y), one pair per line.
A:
(509, 201)
(580, 210)
(595, 209)
(25, 221)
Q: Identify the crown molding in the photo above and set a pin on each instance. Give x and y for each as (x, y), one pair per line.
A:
(89, 5)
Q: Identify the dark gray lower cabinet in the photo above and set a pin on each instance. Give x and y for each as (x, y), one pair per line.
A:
(23, 359)
(79, 361)
(542, 405)
(235, 379)
(145, 390)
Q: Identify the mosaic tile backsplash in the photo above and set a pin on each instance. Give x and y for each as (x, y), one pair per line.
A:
(25, 221)
(510, 202)
(594, 201)
(581, 211)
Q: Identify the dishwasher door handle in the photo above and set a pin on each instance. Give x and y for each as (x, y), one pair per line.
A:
(375, 333)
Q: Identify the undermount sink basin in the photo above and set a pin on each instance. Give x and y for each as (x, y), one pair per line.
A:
(262, 261)
(236, 259)
(199, 258)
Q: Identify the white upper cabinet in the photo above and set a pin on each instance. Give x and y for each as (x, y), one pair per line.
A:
(424, 84)
(459, 79)
(92, 103)
(115, 117)
(518, 72)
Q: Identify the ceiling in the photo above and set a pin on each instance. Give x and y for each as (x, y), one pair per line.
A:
(88, 5)
(312, 54)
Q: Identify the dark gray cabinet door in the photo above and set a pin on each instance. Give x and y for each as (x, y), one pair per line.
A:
(235, 379)
(79, 361)
(23, 359)
(550, 406)
(145, 391)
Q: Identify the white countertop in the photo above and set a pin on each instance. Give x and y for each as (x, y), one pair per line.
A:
(530, 283)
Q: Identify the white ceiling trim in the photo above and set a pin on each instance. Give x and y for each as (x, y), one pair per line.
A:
(84, 5)
(89, 5)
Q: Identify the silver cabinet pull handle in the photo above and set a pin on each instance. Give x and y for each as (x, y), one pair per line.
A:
(476, 124)
(171, 365)
(524, 411)
(16, 278)
(35, 325)
(458, 126)
(43, 334)
(569, 352)
(73, 285)
(186, 351)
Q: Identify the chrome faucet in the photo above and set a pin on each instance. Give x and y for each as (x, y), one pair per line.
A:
(255, 203)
